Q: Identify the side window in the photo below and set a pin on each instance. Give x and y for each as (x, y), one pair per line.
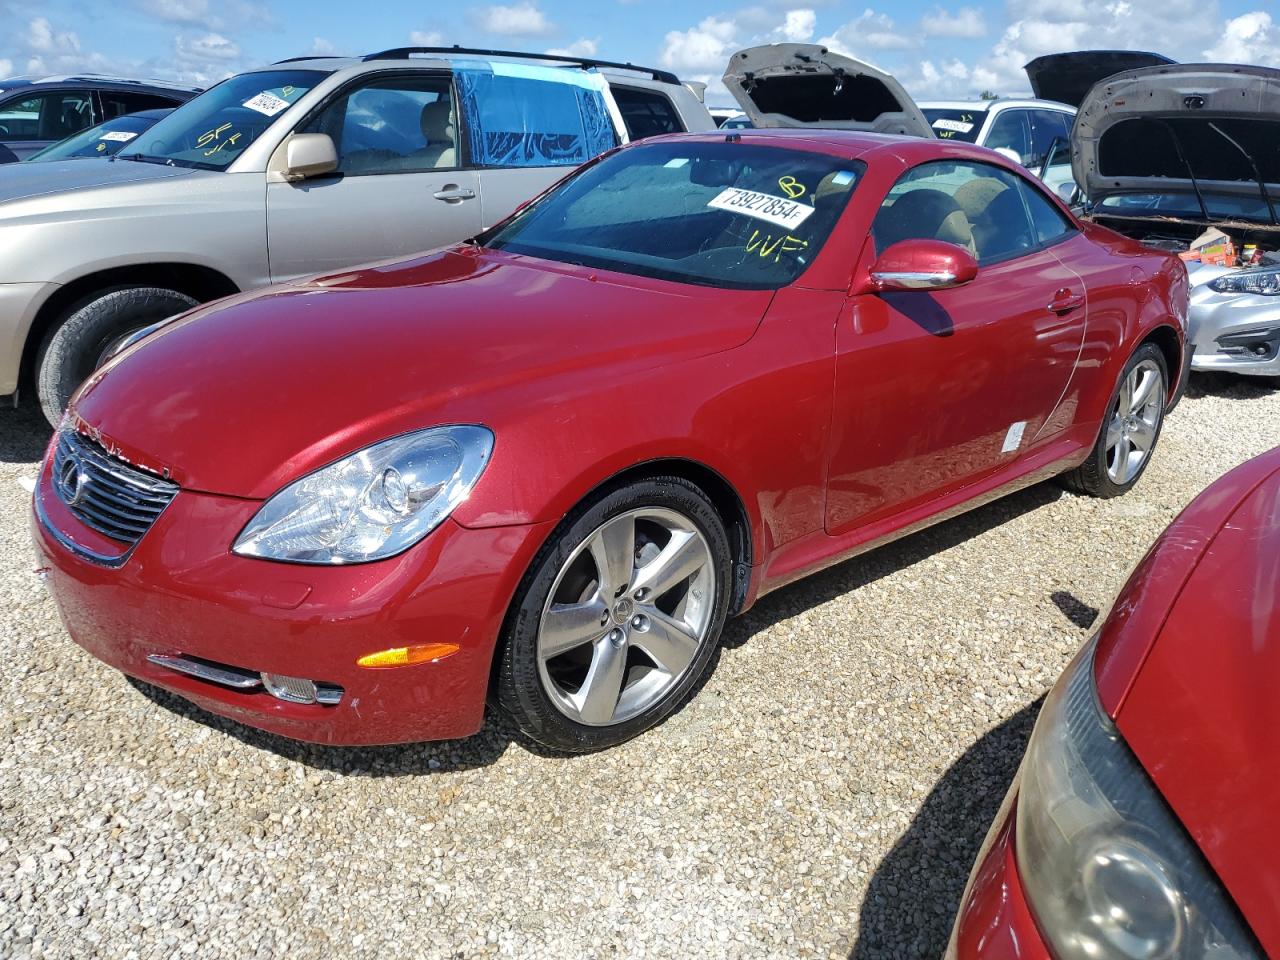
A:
(392, 125)
(973, 205)
(50, 116)
(530, 116)
(1047, 126)
(1009, 130)
(1047, 220)
(117, 104)
(645, 113)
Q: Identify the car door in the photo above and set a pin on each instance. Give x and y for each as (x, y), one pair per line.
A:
(936, 389)
(1010, 133)
(29, 121)
(402, 185)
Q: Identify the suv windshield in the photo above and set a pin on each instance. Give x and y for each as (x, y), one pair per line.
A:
(104, 140)
(213, 129)
(724, 214)
(949, 124)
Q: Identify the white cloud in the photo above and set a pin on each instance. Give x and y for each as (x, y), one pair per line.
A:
(1249, 38)
(225, 15)
(967, 23)
(870, 30)
(426, 38)
(797, 26)
(322, 47)
(42, 38)
(209, 47)
(6, 68)
(703, 48)
(523, 19)
(579, 48)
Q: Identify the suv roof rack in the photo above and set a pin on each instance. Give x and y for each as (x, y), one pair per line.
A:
(105, 78)
(403, 53)
(312, 56)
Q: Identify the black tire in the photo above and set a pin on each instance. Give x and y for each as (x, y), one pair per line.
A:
(1091, 477)
(74, 348)
(519, 686)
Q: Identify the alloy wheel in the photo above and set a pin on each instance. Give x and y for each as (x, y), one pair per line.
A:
(1134, 422)
(628, 613)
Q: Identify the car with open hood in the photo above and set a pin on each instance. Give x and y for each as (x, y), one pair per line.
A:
(1165, 153)
(1141, 823)
(543, 467)
(306, 165)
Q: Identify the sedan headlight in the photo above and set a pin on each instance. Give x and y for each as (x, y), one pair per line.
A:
(1108, 870)
(1265, 283)
(373, 504)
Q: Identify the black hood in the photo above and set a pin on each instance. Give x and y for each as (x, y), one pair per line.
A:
(1067, 77)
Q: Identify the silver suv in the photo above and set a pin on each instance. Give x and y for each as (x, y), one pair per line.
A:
(308, 165)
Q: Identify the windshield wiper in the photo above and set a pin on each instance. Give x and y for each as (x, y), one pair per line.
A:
(1257, 173)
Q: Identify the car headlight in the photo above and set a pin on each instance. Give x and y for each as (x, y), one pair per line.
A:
(1109, 872)
(1265, 283)
(373, 504)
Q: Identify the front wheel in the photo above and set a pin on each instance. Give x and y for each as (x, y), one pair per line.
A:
(1130, 431)
(618, 617)
(79, 345)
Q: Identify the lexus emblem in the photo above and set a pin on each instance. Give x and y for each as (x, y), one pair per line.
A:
(72, 481)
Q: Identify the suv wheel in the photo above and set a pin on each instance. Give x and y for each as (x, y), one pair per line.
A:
(77, 346)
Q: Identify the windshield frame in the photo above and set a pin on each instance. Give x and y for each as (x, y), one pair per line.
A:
(491, 239)
(249, 158)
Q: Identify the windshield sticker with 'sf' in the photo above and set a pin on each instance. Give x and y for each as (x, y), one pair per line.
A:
(762, 206)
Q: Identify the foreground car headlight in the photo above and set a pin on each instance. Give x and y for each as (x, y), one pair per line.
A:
(1265, 283)
(1108, 870)
(373, 504)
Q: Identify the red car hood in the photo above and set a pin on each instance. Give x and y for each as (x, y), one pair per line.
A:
(1203, 716)
(244, 396)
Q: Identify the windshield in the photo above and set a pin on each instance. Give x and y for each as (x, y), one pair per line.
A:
(104, 140)
(724, 214)
(955, 124)
(216, 127)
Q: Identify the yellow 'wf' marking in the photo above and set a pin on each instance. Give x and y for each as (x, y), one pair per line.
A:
(769, 247)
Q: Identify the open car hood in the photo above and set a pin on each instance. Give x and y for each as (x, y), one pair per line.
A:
(806, 85)
(1175, 128)
(1068, 77)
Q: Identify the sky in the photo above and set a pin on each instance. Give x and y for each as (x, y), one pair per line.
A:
(954, 50)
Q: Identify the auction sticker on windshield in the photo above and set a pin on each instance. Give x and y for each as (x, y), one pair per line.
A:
(762, 206)
(266, 103)
(956, 126)
(118, 136)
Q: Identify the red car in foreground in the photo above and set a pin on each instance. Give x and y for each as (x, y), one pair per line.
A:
(546, 465)
(1142, 824)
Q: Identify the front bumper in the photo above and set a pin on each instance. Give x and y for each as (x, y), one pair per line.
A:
(1234, 332)
(995, 922)
(182, 592)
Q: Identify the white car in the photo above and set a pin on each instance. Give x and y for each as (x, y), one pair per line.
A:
(1036, 133)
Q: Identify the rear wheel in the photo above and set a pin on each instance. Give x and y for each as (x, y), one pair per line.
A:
(1130, 431)
(618, 617)
(78, 345)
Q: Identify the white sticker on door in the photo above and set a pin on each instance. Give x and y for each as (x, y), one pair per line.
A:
(762, 206)
(118, 136)
(1013, 439)
(266, 103)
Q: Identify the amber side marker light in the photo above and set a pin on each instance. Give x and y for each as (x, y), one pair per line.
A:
(407, 656)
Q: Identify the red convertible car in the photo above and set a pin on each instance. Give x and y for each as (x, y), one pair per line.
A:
(1142, 824)
(544, 466)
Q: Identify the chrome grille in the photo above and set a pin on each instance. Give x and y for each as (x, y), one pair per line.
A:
(105, 493)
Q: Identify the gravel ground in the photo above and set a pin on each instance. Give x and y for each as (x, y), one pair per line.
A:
(823, 796)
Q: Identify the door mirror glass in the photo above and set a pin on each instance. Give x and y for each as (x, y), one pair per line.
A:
(923, 265)
(310, 155)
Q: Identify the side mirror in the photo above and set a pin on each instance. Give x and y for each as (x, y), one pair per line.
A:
(1010, 154)
(923, 265)
(309, 155)
(1067, 191)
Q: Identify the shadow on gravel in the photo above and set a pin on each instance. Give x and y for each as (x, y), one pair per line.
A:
(404, 760)
(1074, 609)
(914, 894)
(881, 562)
(1230, 386)
(24, 433)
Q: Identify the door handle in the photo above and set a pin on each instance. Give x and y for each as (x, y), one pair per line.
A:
(1065, 301)
(452, 193)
